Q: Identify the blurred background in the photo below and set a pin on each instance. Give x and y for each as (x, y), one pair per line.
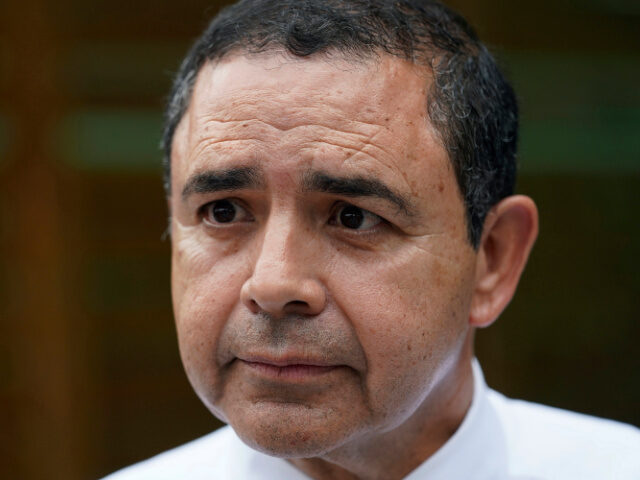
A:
(90, 378)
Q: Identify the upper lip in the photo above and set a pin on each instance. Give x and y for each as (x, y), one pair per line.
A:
(287, 360)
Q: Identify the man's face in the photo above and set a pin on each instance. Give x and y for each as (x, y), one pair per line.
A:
(321, 270)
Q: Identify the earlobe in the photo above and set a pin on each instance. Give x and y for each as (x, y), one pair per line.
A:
(510, 230)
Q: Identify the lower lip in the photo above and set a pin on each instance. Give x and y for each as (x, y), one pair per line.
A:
(289, 372)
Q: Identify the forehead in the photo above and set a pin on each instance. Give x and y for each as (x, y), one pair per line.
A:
(364, 117)
(290, 89)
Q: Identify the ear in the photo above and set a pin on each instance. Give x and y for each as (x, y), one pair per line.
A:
(510, 229)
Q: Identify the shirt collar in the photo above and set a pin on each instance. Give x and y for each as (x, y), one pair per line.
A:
(476, 450)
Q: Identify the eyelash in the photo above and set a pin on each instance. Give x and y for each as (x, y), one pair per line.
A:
(204, 213)
(342, 206)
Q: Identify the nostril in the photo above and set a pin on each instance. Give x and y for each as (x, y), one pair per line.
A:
(298, 303)
(253, 305)
(283, 294)
(297, 307)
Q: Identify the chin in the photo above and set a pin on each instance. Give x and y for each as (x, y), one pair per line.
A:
(287, 445)
(291, 431)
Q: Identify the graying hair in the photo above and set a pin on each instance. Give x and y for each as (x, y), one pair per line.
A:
(470, 103)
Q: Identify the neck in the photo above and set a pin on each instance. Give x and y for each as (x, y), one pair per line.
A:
(394, 454)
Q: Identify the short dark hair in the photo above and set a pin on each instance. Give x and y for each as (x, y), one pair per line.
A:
(471, 105)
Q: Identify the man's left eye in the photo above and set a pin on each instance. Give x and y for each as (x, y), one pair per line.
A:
(354, 218)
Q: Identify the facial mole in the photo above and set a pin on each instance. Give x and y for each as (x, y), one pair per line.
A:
(441, 187)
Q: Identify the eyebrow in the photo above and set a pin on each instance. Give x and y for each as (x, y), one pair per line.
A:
(356, 187)
(222, 180)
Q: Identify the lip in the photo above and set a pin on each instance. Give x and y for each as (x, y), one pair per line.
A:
(286, 360)
(289, 367)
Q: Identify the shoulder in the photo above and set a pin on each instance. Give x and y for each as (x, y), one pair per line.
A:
(551, 443)
(219, 455)
(202, 454)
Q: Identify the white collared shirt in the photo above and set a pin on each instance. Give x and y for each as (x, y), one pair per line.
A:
(499, 439)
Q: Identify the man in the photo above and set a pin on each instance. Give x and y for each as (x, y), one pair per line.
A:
(340, 178)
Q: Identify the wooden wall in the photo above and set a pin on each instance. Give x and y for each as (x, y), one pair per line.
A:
(90, 378)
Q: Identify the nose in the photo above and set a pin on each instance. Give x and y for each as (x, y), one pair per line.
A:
(284, 279)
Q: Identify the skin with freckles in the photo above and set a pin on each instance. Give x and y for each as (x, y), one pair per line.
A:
(329, 321)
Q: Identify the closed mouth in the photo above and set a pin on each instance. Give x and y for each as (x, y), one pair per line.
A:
(292, 371)
(288, 368)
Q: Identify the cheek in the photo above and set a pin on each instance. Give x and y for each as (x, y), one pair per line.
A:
(206, 284)
(203, 272)
(409, 315)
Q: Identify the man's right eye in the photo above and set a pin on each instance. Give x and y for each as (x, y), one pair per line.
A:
(224, 211)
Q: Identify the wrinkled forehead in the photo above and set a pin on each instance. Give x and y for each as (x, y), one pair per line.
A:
(381, 91)
(356, 118)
